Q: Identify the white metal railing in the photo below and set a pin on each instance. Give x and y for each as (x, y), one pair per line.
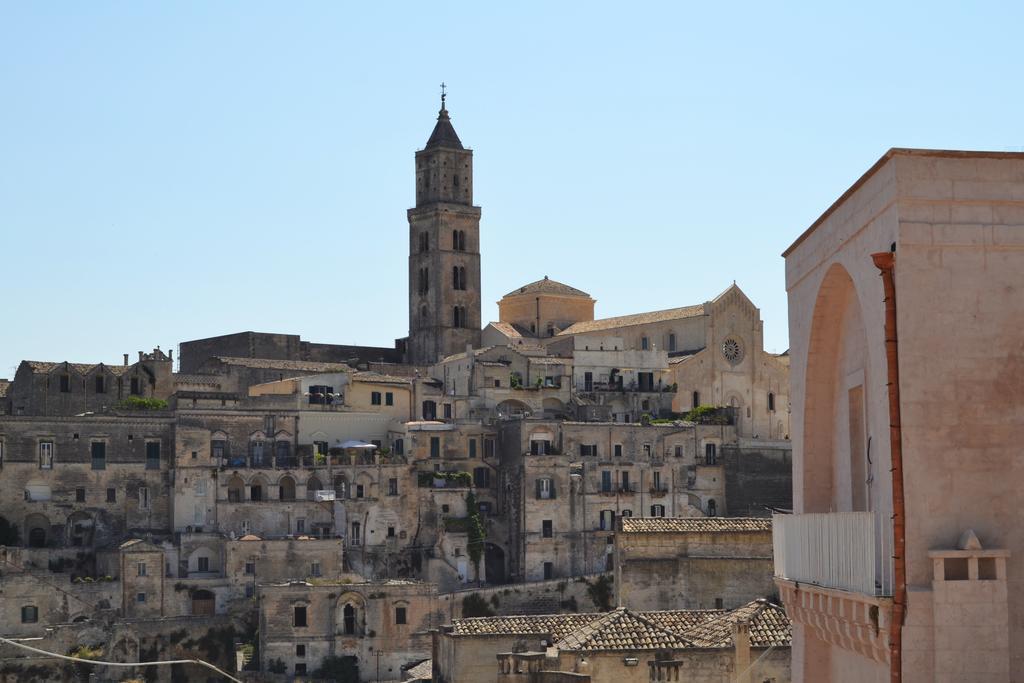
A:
(846, 550)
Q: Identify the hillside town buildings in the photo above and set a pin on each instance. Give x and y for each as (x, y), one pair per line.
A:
(294, 509)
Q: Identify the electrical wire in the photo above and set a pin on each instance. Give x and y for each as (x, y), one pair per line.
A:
(97, 662)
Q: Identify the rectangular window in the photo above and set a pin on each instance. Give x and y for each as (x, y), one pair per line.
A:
(389, 398)
(497, 384)
(300, 525)
(299, 616)
(79, 495)
(29, 614)
(472, 448)
(710, 456)
(359, 490)
(447, 411)
(45, 455)
(375, 398)
(135, 386)
(152, 455)
(488, 448)
(300, 650)
(111, 495)
(644, 344)
(647, 450)
(549, 570)
(435, 447)
(618, 450)
(657, 511)
(101, 384)
(656, 480)
(606, 480)
(482, 477)
(250, 590)
(250, 566)
(679, 451)
(143, 498)
(393, 487)
(624, 480)
(391, 532)
(200, 486)
(607, 520)
(203, 564)
(546, 530)
(671, 342)
(140, 597)
(321, 395)
(400, 615)
(99, 455)
(355, 533)
(399, 446)
(588, 450)
(300, 668)
(65, 384)
(314, 569)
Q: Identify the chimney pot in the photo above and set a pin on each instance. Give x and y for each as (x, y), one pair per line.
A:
(126, 360)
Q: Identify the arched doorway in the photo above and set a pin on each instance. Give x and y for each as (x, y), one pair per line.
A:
(204, 604)
(494, 563)
(312, 486)
(236, 489)
(37, 530)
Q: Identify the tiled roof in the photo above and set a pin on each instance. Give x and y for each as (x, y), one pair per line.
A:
(444, 134)
(423, 671)
(621, 629)
(694, 524)
(769, 627)
(635, 319)
(556, 625)
(380, 378)
(81, 368)
(507, 329)
(548, 286)
(278, 364)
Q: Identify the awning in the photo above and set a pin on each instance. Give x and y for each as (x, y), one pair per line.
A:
(352, 443)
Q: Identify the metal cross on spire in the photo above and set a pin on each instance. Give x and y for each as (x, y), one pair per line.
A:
(443, 94)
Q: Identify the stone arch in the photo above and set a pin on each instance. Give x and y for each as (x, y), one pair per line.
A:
(313, 485)
(494, 563)
(259, 488)
(512, 408)
(37, 530)
(553, 407)
(125, 649)
(351, 614)
(203, 552)
(80, 529)
(286, 488)
(236, 489)
(836, 348)
(366, 481)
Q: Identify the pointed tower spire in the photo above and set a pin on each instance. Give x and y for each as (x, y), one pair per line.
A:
(444, 134)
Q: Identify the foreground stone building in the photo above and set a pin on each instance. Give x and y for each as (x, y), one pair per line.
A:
(905, 316)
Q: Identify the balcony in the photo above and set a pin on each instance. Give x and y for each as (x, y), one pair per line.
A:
(834, 572)
(659, 490)
(850, 551)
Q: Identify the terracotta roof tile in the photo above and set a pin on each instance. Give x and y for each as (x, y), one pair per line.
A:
(694, 524)
(621, 630)
(555, 625)
(380, 378)
(631, 320)
(81, 368)
(769, 627)
(548, 286)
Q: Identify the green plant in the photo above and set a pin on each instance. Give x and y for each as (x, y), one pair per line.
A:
(515, 380)
(477, 532)
(704, 414)
(319, 459)
(9, 533)
(600, 593)
(473, 605)
(140, 403)
(86, 652)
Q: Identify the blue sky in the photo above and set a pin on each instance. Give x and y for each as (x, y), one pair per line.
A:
(170, 171)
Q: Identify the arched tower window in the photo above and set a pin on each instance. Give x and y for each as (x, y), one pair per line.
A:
(771, 402)
(349, 616)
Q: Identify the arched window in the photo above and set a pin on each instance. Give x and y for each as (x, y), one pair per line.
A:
(455, 240)
(424, 242)
(771, 402)
(671, 341)
(456, 317)
(456, 281)
(236, 489)
(462, 240)
(349, 614)
(462, 277)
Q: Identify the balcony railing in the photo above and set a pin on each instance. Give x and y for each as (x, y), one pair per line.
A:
(849, 551)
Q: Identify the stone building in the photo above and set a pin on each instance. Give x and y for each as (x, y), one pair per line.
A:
(748, 644)
(692, 563)
(907, 424)
(383, 626)
(566, 483)
(542, 309)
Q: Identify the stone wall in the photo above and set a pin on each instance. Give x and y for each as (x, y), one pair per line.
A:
(580, 594)
(758, 477)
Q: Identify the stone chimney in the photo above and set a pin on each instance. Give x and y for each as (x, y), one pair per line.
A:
(741, 644)
(126, 360)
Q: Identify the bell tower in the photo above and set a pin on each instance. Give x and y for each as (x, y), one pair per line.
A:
(444, 249)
